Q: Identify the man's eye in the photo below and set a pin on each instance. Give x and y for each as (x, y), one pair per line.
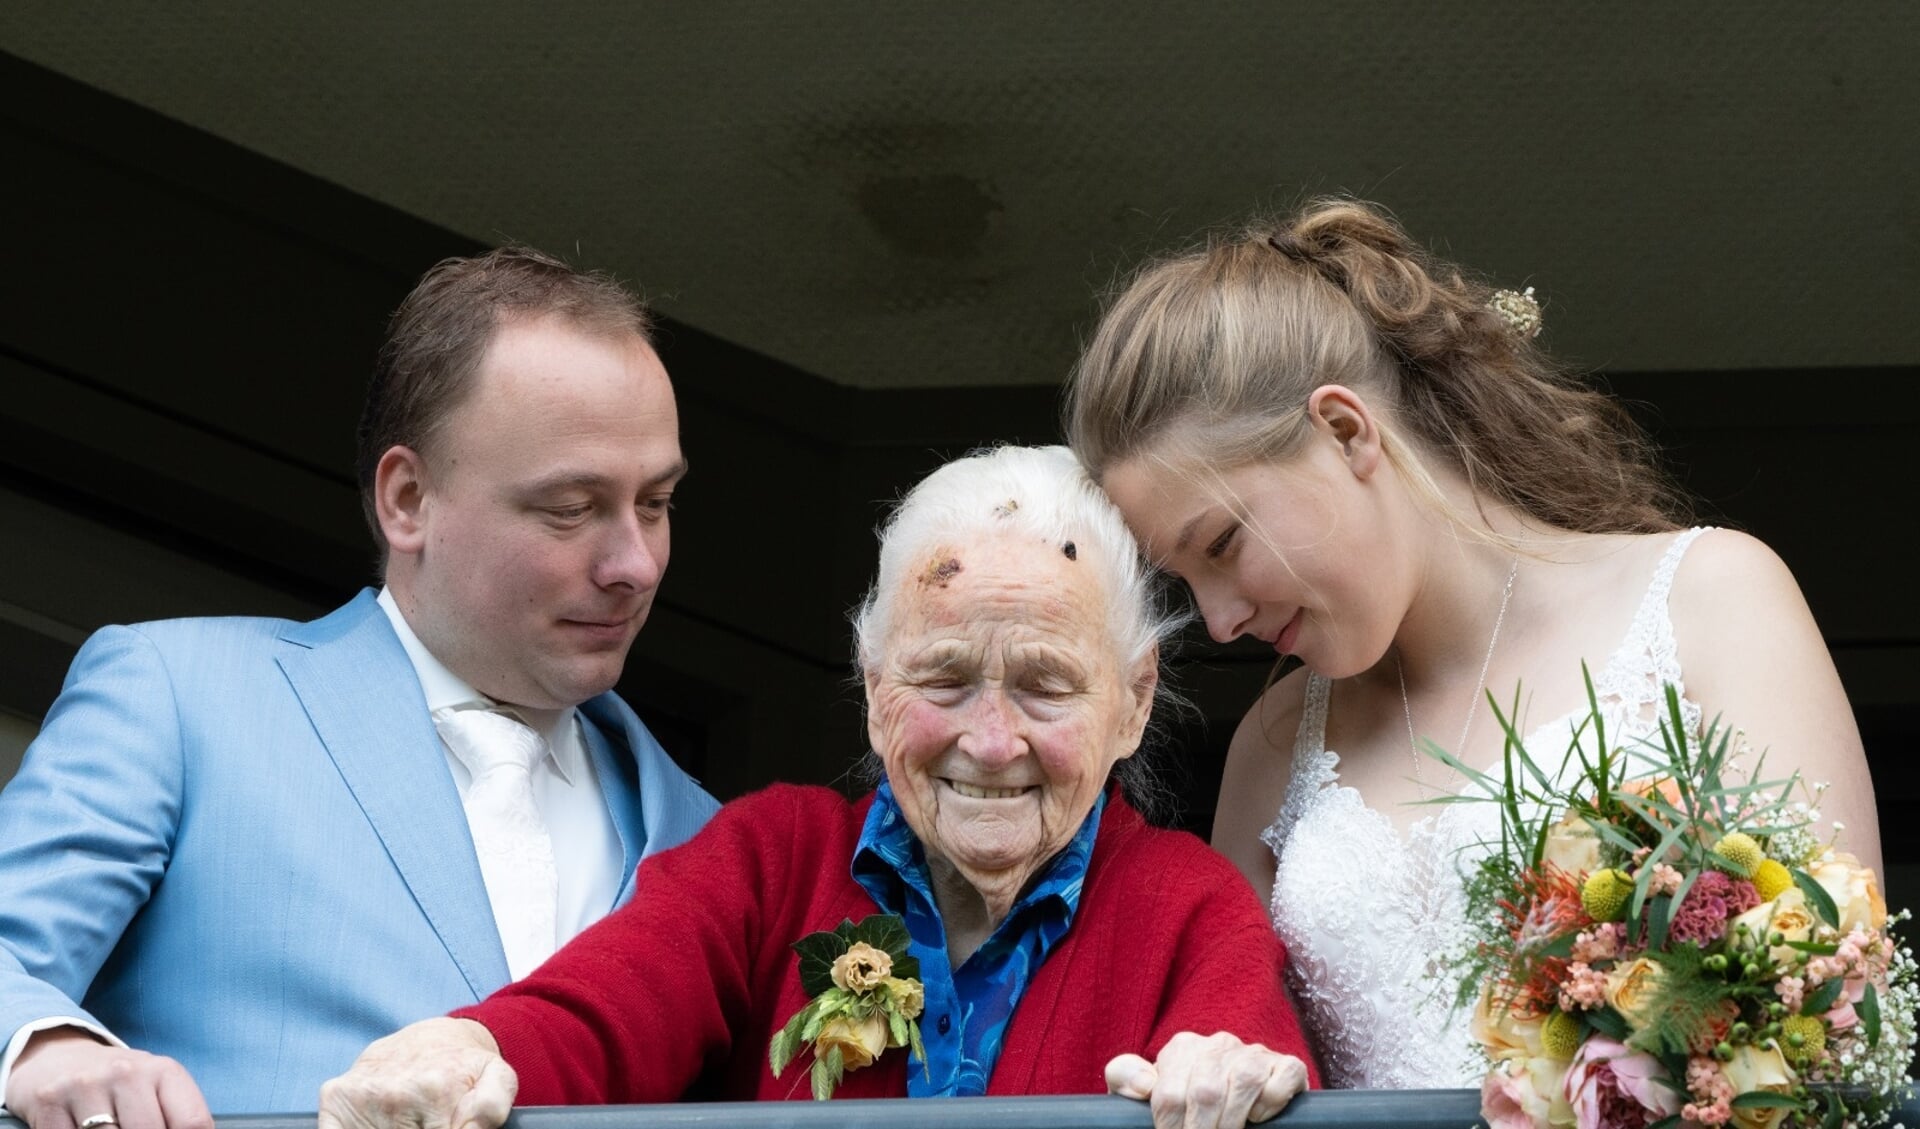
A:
(569, 513)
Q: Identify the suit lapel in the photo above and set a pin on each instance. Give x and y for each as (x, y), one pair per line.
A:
(671, 806)
(619, 789)
(364, 699)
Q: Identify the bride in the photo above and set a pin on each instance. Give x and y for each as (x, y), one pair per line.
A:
(1354, 453)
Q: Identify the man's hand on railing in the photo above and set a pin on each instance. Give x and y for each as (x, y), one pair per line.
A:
(435, 1074)
(1209, 1081)
(67, 1079)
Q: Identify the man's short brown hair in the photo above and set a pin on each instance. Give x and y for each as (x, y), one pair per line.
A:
(436, 339)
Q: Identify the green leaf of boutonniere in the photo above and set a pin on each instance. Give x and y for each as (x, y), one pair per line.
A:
(817, 952)
(884, 931)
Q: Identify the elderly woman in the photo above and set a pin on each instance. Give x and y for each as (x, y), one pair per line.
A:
(1010, 653)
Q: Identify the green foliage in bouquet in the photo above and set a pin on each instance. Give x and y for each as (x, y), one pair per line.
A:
(1659, 937)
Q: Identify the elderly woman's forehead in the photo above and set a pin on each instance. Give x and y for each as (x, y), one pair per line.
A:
(999, 556)
(949, 575)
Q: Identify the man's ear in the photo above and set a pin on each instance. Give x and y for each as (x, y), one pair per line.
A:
(400, 498)
(1339, 413)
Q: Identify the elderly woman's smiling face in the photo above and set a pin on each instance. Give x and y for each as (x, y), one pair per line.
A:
(999, 704)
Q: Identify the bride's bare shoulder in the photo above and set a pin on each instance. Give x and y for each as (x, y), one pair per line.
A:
(1259, 764)
(1266, 734)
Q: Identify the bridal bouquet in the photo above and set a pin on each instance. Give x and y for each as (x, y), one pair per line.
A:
(1659, 940)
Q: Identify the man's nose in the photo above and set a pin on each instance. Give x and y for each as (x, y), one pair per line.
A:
(633, 556)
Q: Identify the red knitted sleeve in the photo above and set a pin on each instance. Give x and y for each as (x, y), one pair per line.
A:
(638, 1006)
(1229, 974)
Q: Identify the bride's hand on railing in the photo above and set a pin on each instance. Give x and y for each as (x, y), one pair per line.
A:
(1209, 1081)
(435, 1074)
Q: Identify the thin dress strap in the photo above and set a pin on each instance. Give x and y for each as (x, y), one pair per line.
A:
(1313, 765)
(1649, 658)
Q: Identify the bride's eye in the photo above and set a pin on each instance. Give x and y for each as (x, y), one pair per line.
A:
(1220, 544)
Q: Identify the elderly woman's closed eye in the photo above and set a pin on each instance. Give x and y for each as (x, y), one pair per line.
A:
(1009, 650)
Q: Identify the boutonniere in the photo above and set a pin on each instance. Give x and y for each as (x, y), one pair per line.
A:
(866, 997)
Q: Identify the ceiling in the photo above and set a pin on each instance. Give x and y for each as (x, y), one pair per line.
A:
(916, 194)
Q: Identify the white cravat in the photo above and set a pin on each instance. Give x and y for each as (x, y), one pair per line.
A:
(509, 836)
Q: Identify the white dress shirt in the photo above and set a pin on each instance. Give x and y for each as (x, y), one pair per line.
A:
(586, 848)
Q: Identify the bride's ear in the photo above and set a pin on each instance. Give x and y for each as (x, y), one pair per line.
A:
(1342, 417)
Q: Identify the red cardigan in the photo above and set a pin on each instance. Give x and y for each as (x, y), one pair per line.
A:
(679, 992)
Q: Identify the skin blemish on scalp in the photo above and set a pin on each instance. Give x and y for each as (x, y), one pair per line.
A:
(1006, 508)
(1072, 553)
(942, 568)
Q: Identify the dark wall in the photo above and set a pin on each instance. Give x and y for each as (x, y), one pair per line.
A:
(184, 337)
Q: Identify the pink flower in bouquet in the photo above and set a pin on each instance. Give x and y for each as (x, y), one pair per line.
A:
(1712, 1094)
(1611, 1087)
(1666, 879)
(1602, 942)
(1585, 987)
(1713, 897)
(1841, 1015)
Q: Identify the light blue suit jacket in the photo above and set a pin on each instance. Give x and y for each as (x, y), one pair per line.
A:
(236, 842)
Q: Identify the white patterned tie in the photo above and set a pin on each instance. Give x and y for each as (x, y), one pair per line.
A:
(509, 836)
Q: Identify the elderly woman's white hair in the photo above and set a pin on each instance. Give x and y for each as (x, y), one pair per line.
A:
(1045, 493)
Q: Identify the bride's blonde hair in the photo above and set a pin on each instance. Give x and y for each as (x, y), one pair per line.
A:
(1207, 358)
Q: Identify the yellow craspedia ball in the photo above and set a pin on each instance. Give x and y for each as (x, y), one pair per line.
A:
(1743, 856)
(1605, 894)
(1560, 1035)
(1811, 1032)
(1770, 878)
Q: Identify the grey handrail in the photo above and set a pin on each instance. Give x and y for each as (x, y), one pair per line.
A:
(1321, 1109)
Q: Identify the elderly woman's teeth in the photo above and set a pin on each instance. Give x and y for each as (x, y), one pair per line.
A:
(975, 792)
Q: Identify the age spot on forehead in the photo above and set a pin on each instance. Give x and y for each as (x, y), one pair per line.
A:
(940, 569)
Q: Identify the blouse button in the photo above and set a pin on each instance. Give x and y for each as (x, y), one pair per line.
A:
(946, 1024)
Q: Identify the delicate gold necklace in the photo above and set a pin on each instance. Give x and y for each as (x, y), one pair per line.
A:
(1460, 747)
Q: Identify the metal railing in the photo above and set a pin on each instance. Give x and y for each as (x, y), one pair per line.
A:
(1320, 1109)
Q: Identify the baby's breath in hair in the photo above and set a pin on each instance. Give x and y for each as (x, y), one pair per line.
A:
(1519, 309)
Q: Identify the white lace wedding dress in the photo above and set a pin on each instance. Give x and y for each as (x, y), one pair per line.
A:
(1365, 913)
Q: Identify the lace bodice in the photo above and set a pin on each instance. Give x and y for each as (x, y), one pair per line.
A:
(1365, 912)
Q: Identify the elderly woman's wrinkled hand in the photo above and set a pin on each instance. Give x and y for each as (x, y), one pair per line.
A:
(1209, 1081)
(435, 1074)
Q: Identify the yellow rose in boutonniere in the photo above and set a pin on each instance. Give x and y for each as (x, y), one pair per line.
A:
(866, 997)
(858, 1041)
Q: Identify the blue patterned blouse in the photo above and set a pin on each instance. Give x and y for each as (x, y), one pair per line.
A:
(968, 1008)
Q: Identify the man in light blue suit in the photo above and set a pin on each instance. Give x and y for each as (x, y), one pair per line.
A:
(241, 849)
